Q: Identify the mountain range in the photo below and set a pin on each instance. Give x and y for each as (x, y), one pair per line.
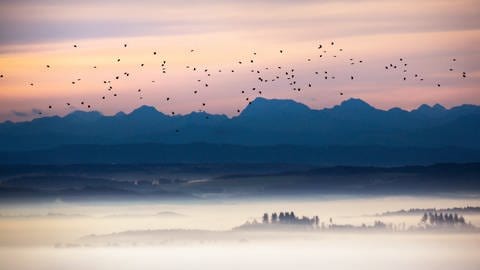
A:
(265, 123)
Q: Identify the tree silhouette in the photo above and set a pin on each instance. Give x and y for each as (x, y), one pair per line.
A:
(274, 218)
(443, 219)
(265, 218)
(425, 218)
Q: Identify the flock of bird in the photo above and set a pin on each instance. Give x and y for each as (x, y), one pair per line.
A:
(402, 66)
(263, 75)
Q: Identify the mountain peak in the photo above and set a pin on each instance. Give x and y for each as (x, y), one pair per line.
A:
(425, 108)
(260, 101)
(352, 105)
(263, 106)
(83, 115)
(397, 110)
(355, 103)
(144, 110)
(438, 107)
(120, 114)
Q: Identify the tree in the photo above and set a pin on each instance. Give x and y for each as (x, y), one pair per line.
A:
(265, 218)
(274, 218)
(431, 218)
(281, 217)
(449, 218)
(425, 217)
(287, 217)
(441, 219)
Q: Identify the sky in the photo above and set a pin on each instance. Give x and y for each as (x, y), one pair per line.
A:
(426, 34)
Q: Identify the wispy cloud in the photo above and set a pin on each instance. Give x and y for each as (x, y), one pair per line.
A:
(20, 114)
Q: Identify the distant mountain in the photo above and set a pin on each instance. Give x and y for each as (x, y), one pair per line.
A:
(263, 122)
(267, 130)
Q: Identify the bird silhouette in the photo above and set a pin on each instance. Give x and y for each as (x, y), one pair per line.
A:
(264, 75)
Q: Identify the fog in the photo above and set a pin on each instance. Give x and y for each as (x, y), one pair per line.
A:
(327, 252)
(56, 235)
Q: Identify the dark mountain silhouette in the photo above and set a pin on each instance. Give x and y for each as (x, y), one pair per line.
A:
(429, 133)
(264, 122)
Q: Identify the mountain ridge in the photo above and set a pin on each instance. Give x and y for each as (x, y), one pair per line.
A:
(264, 122)
(351, 102)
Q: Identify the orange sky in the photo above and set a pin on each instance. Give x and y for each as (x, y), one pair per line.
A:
(427, 34)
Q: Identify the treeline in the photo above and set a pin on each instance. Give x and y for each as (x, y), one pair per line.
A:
(442, 219)
(289, 218)
(416, 211)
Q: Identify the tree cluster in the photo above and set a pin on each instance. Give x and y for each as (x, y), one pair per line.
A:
(440, 219)
(289, 218)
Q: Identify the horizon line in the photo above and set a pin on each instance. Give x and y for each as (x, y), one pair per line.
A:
(238, 114)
